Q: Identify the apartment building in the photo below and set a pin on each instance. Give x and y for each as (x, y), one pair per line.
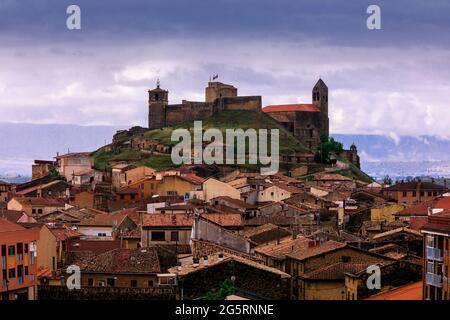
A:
(18, 261)
(436, 281)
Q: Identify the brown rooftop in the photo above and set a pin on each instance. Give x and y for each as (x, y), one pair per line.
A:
(140, 261)
(214, 260)
(312, 251)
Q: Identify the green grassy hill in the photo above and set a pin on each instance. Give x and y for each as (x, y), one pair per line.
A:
(227, 119)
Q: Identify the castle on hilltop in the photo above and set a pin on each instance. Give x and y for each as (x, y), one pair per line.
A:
(218, 97)
(306, 121)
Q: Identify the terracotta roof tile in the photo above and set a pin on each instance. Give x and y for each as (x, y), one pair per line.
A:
(8, 226)
(309, 252)
(411, 291)
(335, 271)
(142, 260)
(291, 108)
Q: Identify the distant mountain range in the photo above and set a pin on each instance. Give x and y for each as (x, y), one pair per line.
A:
(380, 155)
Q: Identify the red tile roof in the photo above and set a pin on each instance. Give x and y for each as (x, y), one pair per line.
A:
(62, 234)
(291, 108)
(335, 271)
(106, 219)
(40, 186)
(193, 178)
(51, 202)
(442, 203)
(7, 226)
(420, 209)
(167, 219)
(94, 246)
(302, 253)
(140, 261)
(411, 291)
(225, 220)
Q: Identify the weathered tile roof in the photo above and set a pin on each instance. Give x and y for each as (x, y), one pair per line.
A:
(63, 234)
(395, 231)
(321, 248)
(140, 261)
(291, 108)
(7, 226)
(335, 271)
(214, 260)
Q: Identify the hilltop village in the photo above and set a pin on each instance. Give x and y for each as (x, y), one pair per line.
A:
(138, 227)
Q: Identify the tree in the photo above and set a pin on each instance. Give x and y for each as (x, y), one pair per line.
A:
(387, 180)
(225, 290)
(326, 147)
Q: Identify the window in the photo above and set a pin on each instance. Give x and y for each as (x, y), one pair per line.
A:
(122, 196)
(430, 266)
(158, 236)
(150, 283)
(90, 282)
(346, 259)
(12, 273)
(174, 236)
(133, 283)
(405, 193)
(39, 211)
(111, 282)
(414, 193)
(33, 211)
(133, 196)
(26, 270)
(422, 193)
(25, 248)
(101, 283)
(430, 193)
(101, 234)
(172, 193)
(11, 250)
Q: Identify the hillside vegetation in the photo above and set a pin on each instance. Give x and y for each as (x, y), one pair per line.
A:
(227, 119)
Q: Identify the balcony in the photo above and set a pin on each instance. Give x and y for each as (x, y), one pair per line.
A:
(434, 280)
(434, 254)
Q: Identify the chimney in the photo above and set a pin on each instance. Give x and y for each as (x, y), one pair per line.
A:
(195, 262)
(312, 243)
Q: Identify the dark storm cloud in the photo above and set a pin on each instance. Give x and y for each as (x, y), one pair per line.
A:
(336, 22)
(392, 81)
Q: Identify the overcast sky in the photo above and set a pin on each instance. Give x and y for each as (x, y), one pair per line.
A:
(394, 81)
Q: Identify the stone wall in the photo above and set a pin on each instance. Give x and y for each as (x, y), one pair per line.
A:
(257, 282)
(105, 293)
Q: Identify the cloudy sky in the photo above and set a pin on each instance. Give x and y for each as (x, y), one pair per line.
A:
(393, 81)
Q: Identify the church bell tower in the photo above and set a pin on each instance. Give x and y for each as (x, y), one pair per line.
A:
(157, 104)
(320, 99)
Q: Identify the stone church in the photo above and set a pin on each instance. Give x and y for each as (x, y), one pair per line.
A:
(305, 121)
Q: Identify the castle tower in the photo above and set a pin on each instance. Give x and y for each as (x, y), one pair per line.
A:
(157, 103)
(216, 90)
(320, 99)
